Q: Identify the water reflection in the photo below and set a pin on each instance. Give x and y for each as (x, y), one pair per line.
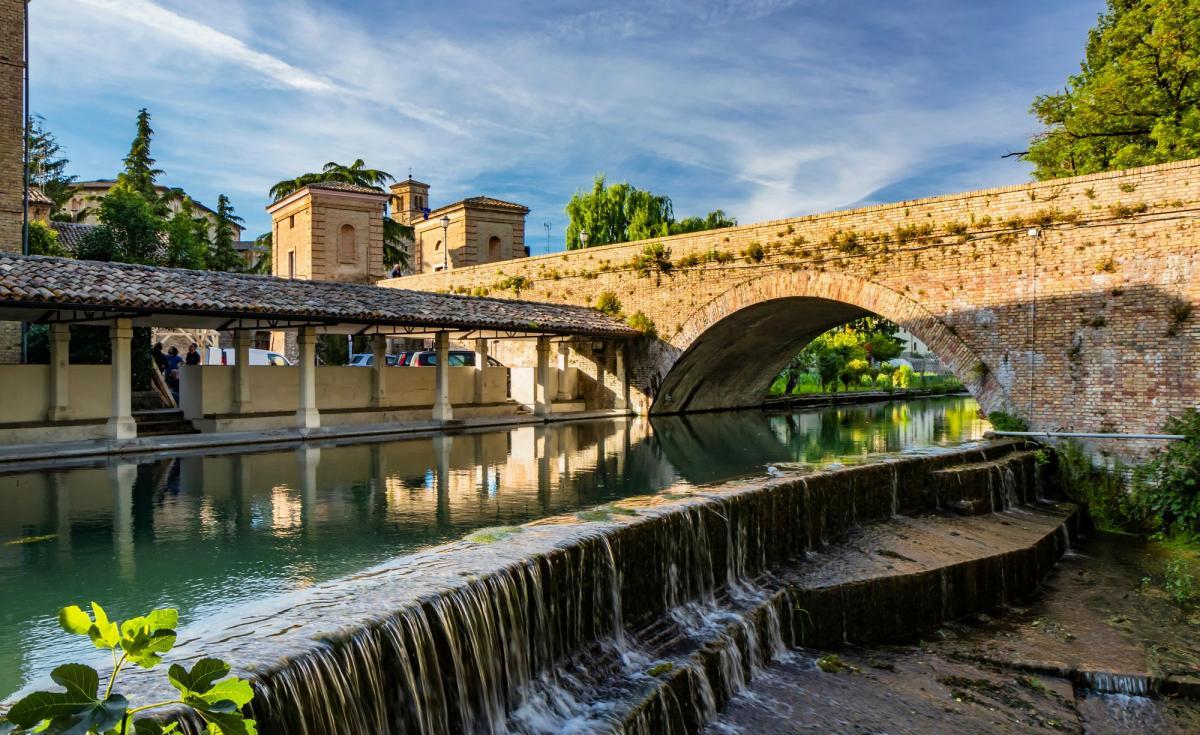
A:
(203, 533)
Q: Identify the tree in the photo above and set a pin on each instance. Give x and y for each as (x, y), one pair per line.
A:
(129, 230)
(621, 213)
(187, 238)
(224, 256)
(1136, 100)
(396, 235)
(139, 174)
(262, 264)
(44, 241)
(48, 167)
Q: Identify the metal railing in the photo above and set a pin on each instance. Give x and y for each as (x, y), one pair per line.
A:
(1087, 435)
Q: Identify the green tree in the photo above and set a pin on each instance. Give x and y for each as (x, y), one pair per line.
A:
(1136, 100)
(44, 241)
(187, 238)
(139, 174)
(129, 230)
(224, 255)
(262, 264)
(621, 213)
(396, 235)
(48, 167)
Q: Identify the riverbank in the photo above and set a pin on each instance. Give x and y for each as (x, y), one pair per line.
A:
(806, 400)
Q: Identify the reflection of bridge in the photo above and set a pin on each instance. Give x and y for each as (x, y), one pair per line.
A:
(1068, 302)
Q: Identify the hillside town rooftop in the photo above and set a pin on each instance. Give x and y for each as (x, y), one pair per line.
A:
(43, 289)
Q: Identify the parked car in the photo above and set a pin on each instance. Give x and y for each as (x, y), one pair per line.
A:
(458, 358)
(367, 359)
(227, 356)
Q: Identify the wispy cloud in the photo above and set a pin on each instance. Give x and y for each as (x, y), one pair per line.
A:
(765, 108)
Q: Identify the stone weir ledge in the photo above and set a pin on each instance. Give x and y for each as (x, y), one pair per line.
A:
(649, 614)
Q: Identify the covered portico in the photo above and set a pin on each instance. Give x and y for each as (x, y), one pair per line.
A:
(61, 401)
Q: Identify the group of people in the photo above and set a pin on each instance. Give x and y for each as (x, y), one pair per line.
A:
(168, 364)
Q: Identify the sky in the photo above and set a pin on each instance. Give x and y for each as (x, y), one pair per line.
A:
(763, 108)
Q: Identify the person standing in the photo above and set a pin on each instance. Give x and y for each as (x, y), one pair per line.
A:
(193, 355)
(160, 360)
(173, 363)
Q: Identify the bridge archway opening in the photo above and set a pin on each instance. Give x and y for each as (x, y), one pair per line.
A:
(728, 354)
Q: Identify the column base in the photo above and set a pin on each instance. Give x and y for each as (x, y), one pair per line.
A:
(308, 419)
(58, 414)
(443, 412)
(121, 428)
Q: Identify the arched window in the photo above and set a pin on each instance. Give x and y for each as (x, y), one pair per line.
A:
(347, 245)
(494, 249)
(437, 245)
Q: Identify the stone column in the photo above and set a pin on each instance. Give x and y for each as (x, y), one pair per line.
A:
(60, 373)
(542, 401)
(120, 419)
(622, 375)
(242, 340)
(307, 416)
(379, 362)
(442, 411)
(564, 351)
(481, 363)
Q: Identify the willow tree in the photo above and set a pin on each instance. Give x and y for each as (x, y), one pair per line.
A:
(1136, 100)
(621, 213)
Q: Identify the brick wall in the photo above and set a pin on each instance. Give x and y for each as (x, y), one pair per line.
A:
(1087, 326)
(12, 71)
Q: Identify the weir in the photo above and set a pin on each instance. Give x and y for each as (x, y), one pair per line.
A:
(649, 616)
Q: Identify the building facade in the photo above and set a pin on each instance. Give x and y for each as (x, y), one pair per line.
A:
(12, 162)
(475, 231)
(83, 205)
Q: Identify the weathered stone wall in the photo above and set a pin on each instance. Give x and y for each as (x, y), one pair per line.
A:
(12, 168)
(1088, 325)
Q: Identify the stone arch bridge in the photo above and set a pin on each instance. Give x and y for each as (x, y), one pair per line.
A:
(1068, 302)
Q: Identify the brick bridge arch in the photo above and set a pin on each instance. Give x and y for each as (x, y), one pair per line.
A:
(727, 353)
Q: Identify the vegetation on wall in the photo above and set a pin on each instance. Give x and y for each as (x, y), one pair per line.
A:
(1136, 99)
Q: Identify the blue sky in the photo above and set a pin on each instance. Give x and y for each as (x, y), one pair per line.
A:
(764, 108)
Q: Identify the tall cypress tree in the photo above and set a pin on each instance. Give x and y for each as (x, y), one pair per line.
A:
(224, 256)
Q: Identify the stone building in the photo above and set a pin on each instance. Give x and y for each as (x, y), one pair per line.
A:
(478, 230)
(82, 206)
(12, 167)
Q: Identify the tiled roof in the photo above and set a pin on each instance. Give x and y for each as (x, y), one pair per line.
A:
(485, 202)
(37, 196)
(34, 282)
(71, 234)
(343, 186)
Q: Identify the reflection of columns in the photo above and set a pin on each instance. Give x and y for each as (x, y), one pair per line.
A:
(481, 360)
(120, 420)
(442, 411)
(622, 375)
(121, 478)
(564, 351)
(241, 371)
(441, 456)
(541, 379)
(60, 373)
(307, 416)
(378, 363)
(243, 491)
(308, 460)
(480, 463)
(543, 465)
(62, 514)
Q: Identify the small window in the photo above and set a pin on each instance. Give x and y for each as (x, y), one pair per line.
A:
(347, 251)
(291, 264)
(494, 249)
(291, 221)
(437, 245)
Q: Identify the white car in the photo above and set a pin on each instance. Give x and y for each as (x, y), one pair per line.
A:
(227, 356)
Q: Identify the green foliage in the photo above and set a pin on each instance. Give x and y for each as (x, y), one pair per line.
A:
(187, 238)
(622, 213)
(44, 241)
(128, 232)
(1166, 491)
(902, 377)
(81, 708)
(514, 284)
(608, 303)
(1179, 580)
(48, 167)
(139, 175)
(224, 256)
(754, 253)
(830, 663)
(1136, 100)
(642, 323)
(396, 238)
(1002, 421)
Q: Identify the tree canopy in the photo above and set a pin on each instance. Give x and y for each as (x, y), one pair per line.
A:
(622, 213)
(1136, 100)
(48, 167)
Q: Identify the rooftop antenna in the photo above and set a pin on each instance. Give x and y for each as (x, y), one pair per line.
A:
(547, 226)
